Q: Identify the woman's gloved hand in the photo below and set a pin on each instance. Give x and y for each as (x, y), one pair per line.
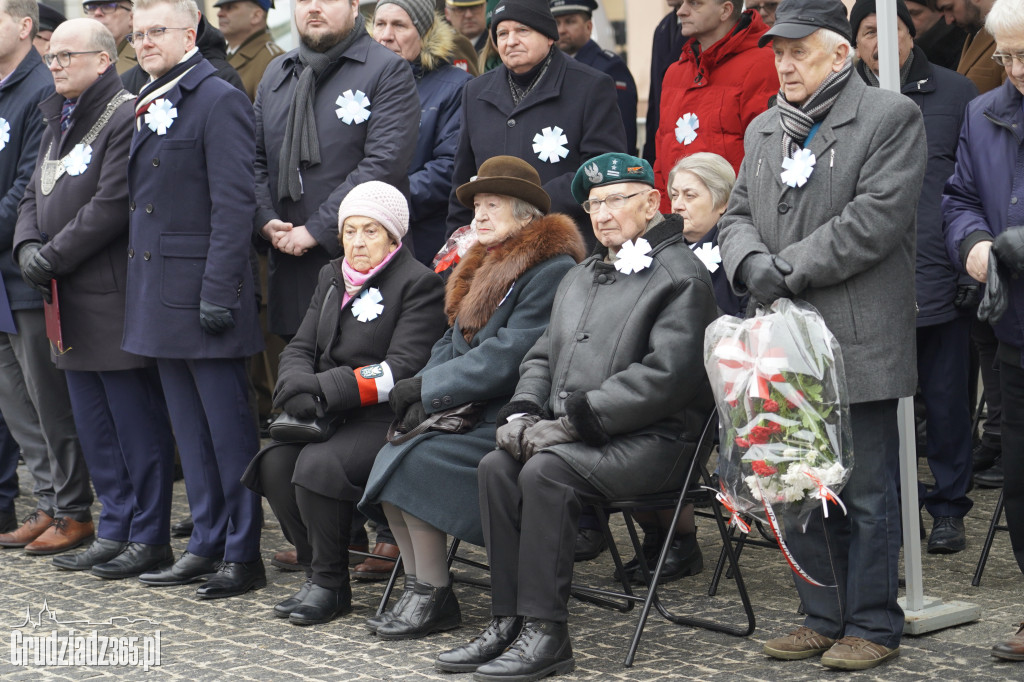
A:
(303, 406)
(292, 385)
(404, 394)
(414, 416)
(509, 435)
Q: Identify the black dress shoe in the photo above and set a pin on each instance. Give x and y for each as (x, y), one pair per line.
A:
(984, 456)
(684, 558)
(135, 559)
(541, 649)
(283, 609)
(322, 605)
(234, 578)
(8, 521)
(430, 609)
(374, 622)
(488, 645)
(589, 544)
(100, 552)
(947, 536)
(183, 529)
(991, 477)
(187, 569)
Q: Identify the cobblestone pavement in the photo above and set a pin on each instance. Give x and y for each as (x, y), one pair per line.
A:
(239, 639)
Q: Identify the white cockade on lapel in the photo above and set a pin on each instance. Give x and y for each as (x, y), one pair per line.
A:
(78, 159)
(709, 256)
(549, 144)
(686, 128)
(160, 116)
(796, 170)
(353, 107)
(5, 133)
(367, 305)
(632, 256)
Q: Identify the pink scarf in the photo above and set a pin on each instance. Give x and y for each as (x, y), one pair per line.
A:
(354, 280)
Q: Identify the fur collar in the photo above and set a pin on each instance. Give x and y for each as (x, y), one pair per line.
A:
(438, 45)
(483, 277)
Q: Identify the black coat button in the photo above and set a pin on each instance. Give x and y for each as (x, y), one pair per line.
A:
(436, 403)
(511, 123)
(131, 206)
(149, 208)
(783, 207)
(563, 394)
(156, 162)
(147, 255)
(602, 279)
(131, 253)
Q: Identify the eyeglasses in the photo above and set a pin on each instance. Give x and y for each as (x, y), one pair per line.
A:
(153, 34)
(612, 201)
(764, 7)
(105, 8)
(64, 58)
(1007, 60)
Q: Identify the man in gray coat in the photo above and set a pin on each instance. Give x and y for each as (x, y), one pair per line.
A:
(331, 114)
(824, 211)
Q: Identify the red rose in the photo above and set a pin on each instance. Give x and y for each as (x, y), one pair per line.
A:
(761, 468)
(800, 398)
(771, 406)
(774, 427)
(742, 442)
(759, 435)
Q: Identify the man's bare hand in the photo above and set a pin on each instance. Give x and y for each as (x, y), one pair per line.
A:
(295, 241)
(977, 261)
(274, 229)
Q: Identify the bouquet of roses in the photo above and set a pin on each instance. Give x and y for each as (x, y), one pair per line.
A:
(780, 388)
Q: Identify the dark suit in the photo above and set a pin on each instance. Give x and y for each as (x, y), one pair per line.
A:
(191, 202)
(610, 63)
(116, 400)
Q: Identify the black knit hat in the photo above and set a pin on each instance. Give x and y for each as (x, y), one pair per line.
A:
(533, 13)
(864, 8)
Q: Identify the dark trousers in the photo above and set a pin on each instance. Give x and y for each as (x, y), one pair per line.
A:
(942, 369)
(317, 525)
(857, 552)
(8, 468)
(530, 514)
(127, 442)
(984, 340)
(1011, 385)
(208, 401)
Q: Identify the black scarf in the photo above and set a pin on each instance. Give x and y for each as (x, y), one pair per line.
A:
(301, 147)
(798, 121)
(871, 79)
(522, 84)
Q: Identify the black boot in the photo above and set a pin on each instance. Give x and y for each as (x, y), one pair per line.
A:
(488, 645)
(430, 609)
(322, 605)
(542, 648)
(284, 609)
(374, 622)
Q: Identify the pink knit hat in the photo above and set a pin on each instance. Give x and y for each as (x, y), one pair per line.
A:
(379, 201)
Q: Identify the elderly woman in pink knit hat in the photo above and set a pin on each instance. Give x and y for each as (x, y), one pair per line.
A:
(374, 316)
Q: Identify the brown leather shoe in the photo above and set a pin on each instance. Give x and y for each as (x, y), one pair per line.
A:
(1012, 649)
(377, 569)
(31, 527)
(354, 559)
(63, 534)
(287, 560)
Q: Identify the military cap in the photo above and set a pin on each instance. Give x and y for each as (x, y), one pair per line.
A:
(562, 7)
(49, 18)
(264, 4)
(609, 169)
(464, 3)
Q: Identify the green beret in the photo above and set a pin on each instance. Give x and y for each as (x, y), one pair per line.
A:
(610, 169)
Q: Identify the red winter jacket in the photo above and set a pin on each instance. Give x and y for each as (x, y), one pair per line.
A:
(726, 86)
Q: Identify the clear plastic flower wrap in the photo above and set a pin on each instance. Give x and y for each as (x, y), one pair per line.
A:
(455, 248)
(780, 388)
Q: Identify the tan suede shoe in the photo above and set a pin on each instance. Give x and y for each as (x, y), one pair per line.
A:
(801, 643)
(855, 653)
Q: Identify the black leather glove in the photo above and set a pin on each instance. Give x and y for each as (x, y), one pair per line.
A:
(215, 319)
(997, 295)
(35, 269)
(1009, 249)
(546, 433)
(405, 393)
(510, 434)
(967, 296)
(414, 416)
(303, 406)
(764, 276)
(291, 385)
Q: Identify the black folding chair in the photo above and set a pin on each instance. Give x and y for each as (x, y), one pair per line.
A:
(993, 526)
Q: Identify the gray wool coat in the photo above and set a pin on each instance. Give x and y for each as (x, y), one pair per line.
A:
(849, 232)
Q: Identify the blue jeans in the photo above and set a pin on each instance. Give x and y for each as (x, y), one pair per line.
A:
(857, 553)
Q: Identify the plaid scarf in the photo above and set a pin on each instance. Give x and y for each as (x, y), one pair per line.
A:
(798, 121)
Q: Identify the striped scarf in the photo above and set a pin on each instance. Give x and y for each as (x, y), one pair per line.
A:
(798, 121)
(162, 85)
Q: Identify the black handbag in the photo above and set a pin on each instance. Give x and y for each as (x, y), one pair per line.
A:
(455, 420)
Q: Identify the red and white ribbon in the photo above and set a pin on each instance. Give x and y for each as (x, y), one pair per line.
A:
(790, 559)
(825, 494)
(737, 361)
(735, 519)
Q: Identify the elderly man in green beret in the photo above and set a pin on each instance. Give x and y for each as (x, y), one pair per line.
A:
(604, 397)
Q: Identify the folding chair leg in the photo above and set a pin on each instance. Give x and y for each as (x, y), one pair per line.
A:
(606, 598)
(390, 586)
(993, 526)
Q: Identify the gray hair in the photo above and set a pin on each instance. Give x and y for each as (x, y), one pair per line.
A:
(1006, 19)
(714, 171)
(186, 8)
(100, 38)
(830, 41)
(19, 9)
(524, 210)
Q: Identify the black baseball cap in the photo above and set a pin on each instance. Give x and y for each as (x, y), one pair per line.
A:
(800, 18)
